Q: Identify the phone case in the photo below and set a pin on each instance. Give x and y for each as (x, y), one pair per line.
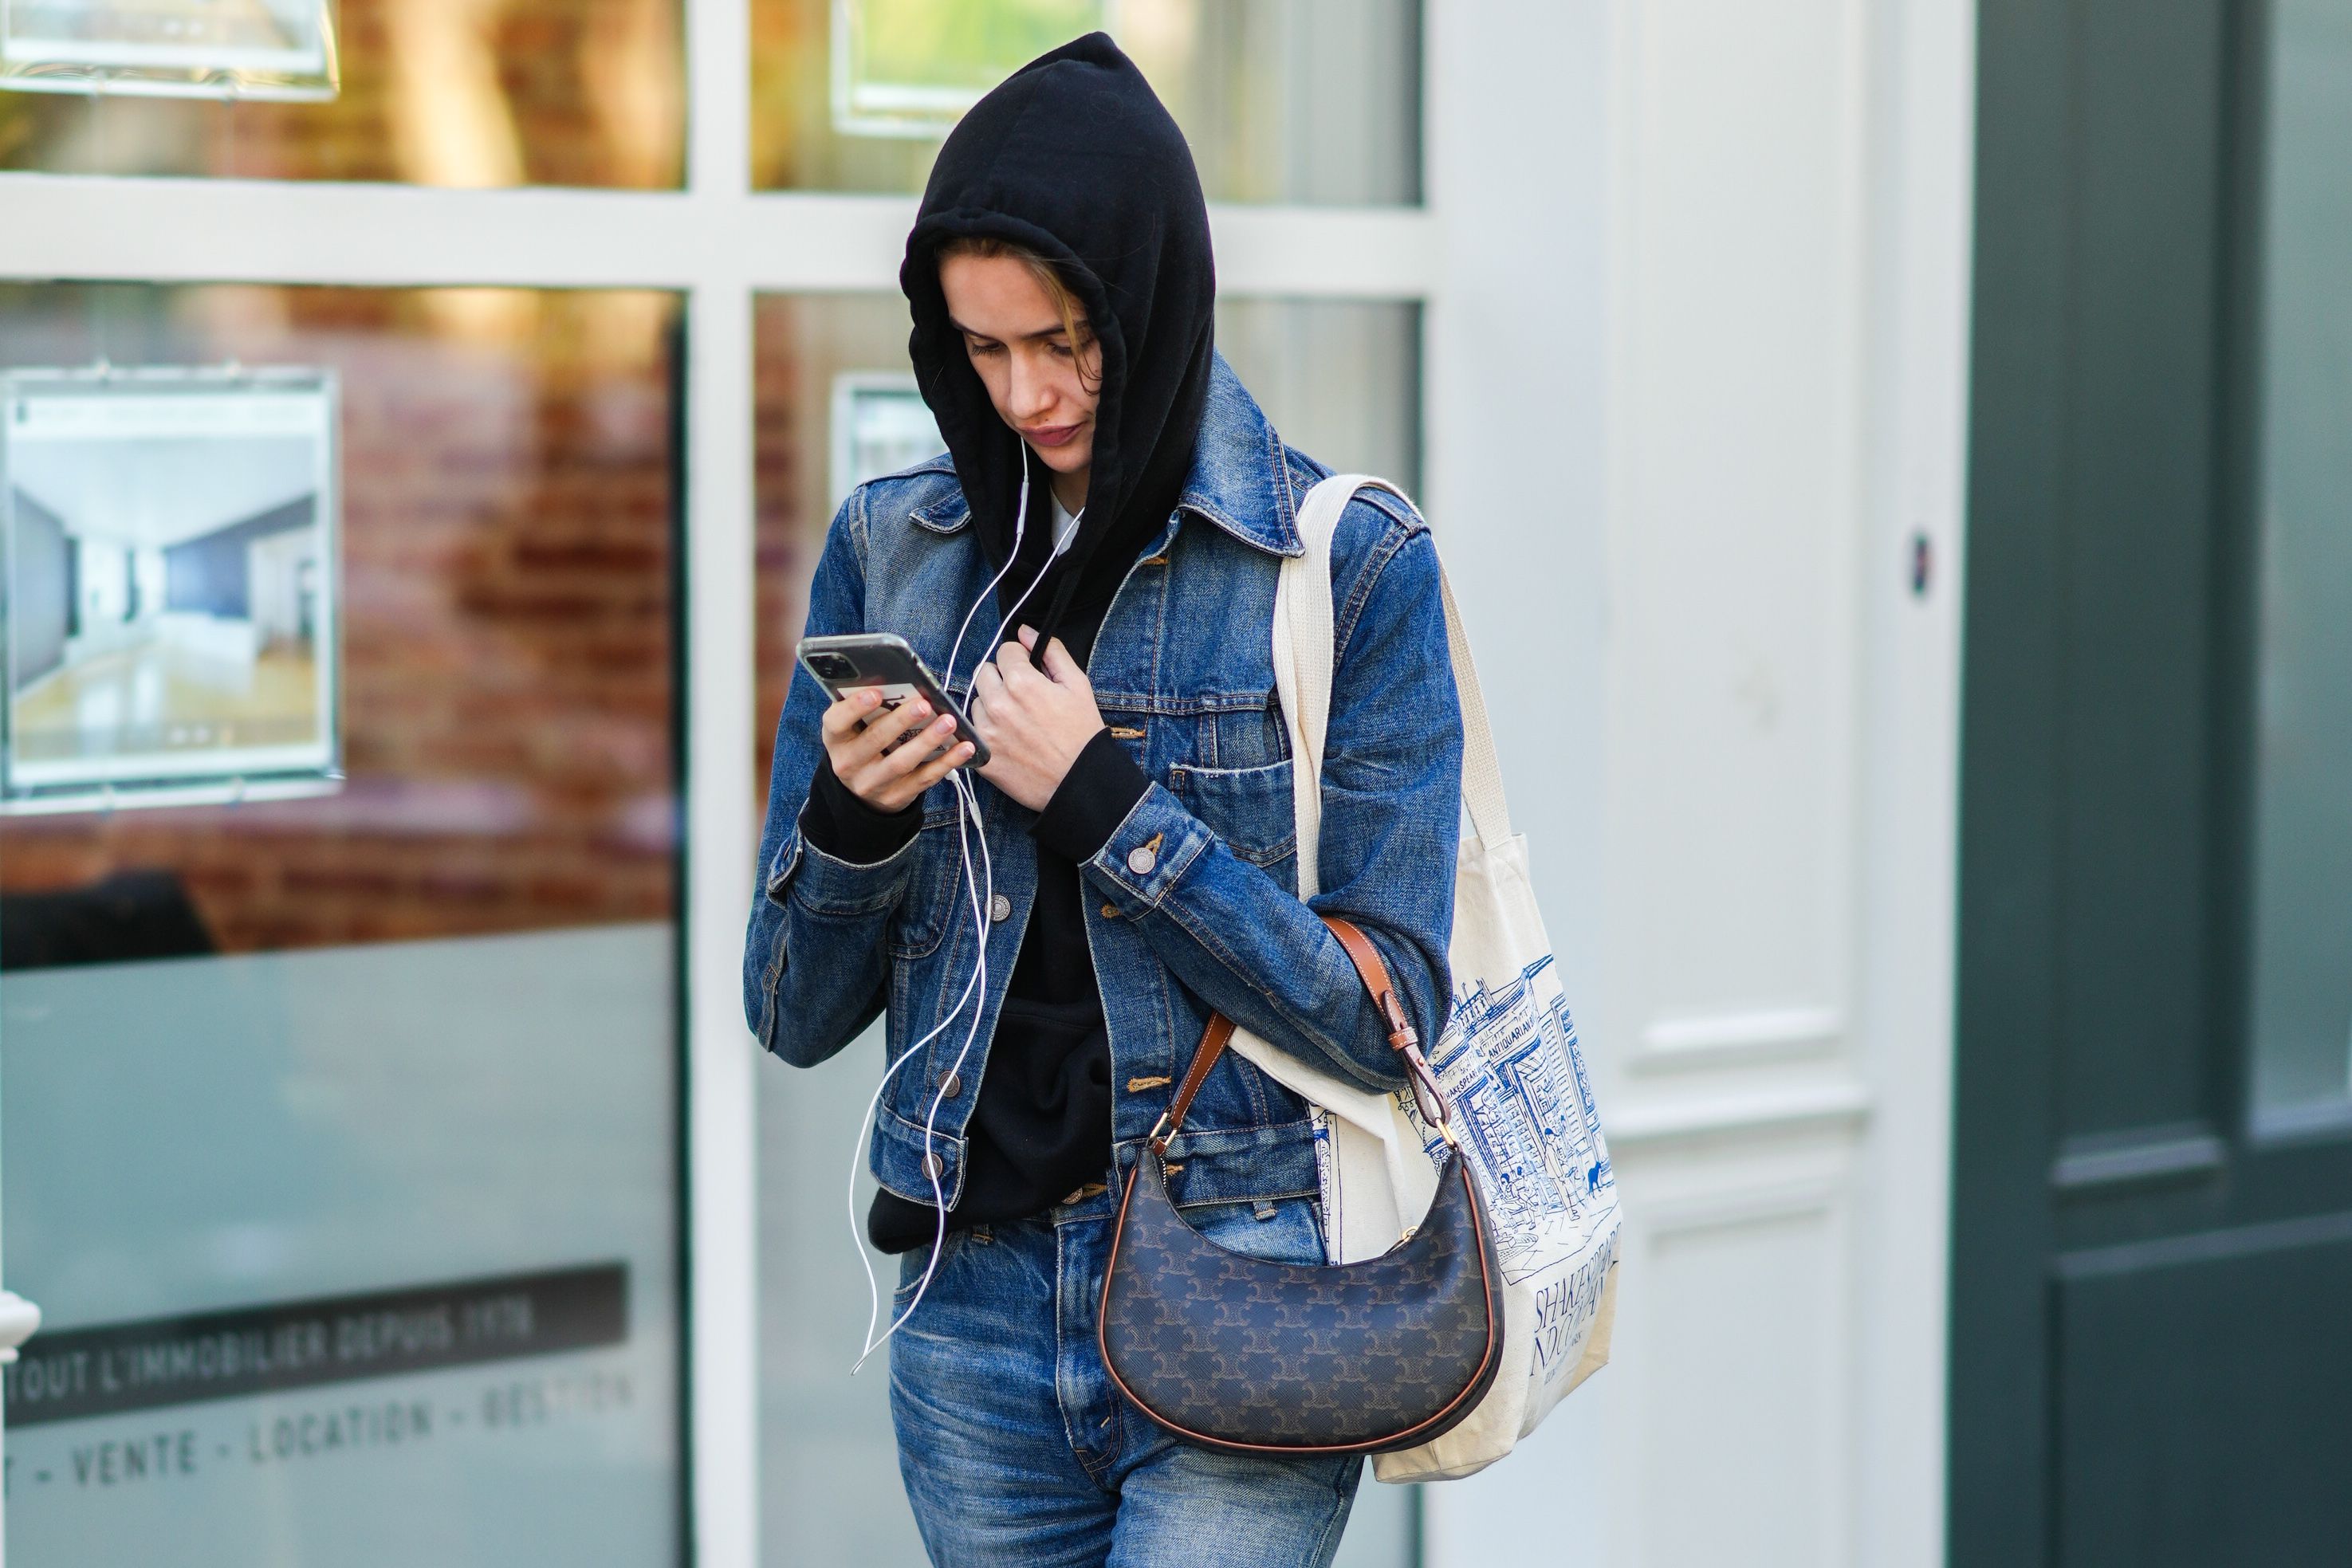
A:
(887, 659)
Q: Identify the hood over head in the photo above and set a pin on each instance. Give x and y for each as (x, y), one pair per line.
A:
(1074, 157)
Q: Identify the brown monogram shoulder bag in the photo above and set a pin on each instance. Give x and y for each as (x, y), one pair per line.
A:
(1241, 1353)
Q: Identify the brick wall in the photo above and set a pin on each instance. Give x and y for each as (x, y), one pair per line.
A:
(509, 522)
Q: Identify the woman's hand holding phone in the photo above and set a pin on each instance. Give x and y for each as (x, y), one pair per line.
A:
(888, 756)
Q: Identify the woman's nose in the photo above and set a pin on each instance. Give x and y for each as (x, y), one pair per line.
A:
(1031, 393)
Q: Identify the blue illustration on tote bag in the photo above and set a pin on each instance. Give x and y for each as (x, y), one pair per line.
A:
(1510, 1063)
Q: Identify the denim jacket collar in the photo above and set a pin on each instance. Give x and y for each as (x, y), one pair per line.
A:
(1239, 481)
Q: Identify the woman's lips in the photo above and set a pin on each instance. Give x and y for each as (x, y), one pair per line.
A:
(1052, 434)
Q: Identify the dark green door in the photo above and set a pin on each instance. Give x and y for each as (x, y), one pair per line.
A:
(2152, 1254)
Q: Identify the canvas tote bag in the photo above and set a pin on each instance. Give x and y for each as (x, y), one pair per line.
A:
(1508, 1059)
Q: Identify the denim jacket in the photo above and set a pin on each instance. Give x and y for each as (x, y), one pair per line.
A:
(1191, 907)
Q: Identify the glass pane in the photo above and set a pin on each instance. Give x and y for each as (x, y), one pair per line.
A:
(1341, 382)
(251, 48)
(472, 93)
(340, 1142)
(1283, 101)
(2303, 871)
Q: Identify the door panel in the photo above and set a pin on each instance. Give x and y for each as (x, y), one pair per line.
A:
(2194, 1378)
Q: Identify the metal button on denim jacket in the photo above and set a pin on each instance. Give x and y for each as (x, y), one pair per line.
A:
(1191, 905)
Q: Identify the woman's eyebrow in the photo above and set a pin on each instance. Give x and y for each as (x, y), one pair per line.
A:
(1056, 331)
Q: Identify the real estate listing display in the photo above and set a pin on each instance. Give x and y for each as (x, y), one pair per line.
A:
(171, 586)
(911, 68)
(191, 48)
(880, 425)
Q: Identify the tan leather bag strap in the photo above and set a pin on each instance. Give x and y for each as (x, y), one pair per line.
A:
(1402, 1039)
(1214, 1040)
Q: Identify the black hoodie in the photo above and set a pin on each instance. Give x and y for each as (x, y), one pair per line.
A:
(1075, 158)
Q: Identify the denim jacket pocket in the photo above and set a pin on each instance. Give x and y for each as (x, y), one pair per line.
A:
(1249, 808)
(922, 917)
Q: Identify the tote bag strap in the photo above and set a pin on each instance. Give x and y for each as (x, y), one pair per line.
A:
(1304, 631)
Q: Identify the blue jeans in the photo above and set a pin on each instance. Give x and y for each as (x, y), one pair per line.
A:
(1017, 1450)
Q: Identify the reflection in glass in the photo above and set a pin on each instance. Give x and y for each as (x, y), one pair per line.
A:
(909, 67)
(281, 49)
(1341, 382)
(880, 425)
(388, 1070)
(1283, 101)
(2302, 992)
(475, 93)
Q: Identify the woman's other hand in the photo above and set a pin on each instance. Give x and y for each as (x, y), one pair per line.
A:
(1036, 722)
(888, 756)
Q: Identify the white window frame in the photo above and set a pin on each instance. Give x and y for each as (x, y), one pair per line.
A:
(719, 244)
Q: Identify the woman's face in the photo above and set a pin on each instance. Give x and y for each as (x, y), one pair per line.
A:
(1042, 385)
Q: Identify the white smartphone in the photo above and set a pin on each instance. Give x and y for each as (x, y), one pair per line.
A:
(845, 663)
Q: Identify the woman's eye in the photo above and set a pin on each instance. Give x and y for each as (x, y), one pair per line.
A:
(977, 350)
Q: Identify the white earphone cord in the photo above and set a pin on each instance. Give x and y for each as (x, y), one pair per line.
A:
(984, 893)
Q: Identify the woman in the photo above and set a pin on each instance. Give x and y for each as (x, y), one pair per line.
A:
(1137, 814)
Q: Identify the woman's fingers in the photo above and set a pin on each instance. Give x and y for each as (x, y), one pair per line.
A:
(1054, 660)
(915, 755)
(985, 701)
(1061, 666)
(906, 750)
(918, 766)
(888, 756)
(1013, 665)
(858, 727)
(937, 769)
(907, 790)
(855, 757)
(891, 728)
(839, 721)
(911, 767)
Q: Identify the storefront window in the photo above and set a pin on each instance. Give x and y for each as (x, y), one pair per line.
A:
(473, 93)
(337, 911)
(836, 404)
(1283, 101)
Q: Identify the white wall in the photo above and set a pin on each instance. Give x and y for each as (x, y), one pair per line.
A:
(1696, 378)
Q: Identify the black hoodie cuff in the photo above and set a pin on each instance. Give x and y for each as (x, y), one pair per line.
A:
(845, 827)
(1093, 798)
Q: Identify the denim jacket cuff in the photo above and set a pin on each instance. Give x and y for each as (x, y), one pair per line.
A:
(1101, 788)
(1149, 851)
(834, 820)
(826, 885)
